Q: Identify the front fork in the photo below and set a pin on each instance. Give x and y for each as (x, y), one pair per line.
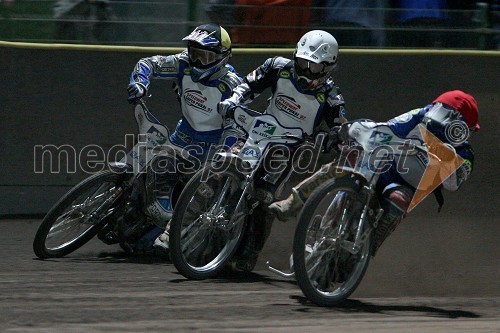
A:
(363, 230)
(104, 208)
(243, 197)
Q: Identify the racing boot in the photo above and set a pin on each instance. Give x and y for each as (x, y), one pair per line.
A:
(145, 244)
(161, 244)
(396, 200)
(288, 208)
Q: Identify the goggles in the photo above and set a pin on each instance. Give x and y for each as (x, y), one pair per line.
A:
(309, 65)
(447, 124)
(310, 69)
(202, 56)
(442, 115)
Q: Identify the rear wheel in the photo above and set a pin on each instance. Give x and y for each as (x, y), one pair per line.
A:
(328, 267)
(206, 228)
(78, 215)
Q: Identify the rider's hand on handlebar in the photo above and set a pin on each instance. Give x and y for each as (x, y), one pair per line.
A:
(226, 109)
(332, 139)
(336, 136)
(135, 91)
(343, 132)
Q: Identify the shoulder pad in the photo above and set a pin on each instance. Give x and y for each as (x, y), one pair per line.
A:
(280, 62)
(183, 56)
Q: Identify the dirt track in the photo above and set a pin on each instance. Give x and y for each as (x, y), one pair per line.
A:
(98, 289)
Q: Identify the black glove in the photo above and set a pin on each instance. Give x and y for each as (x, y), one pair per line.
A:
(332, 139)
(343, 132)
(226, 109)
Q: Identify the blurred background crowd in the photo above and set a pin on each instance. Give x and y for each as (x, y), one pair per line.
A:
(450, 24)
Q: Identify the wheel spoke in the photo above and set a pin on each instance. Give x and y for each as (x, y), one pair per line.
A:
(205, 241)
(330, 268)
(75, 222)
(193, 239)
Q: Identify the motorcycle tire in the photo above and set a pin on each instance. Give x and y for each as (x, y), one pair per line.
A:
(200, 246)
(325, 271)
(70, 222)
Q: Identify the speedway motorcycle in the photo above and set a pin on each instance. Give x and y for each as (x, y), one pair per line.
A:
(334, 237)
(222, 203)
(119, 204)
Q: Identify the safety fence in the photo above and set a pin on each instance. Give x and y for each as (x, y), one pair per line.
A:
(65, 100)
(279, 23)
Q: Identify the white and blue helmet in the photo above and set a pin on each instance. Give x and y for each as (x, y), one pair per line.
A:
(209, 49)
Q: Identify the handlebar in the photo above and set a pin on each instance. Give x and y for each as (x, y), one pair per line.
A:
(290, 137)
(251, 112)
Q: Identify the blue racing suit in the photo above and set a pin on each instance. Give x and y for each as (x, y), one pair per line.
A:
(394, 192)
(405, 126)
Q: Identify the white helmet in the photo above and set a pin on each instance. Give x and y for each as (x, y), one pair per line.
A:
(315, 58)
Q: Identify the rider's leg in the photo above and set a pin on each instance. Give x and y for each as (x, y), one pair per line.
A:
(395, 201)
(288, 208)
(161, 243)
(198, 153)
(160, 182)
(256, 235)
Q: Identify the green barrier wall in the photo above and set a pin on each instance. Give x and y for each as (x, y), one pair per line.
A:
(72, 95)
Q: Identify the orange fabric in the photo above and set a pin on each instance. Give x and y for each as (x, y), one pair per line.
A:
(443, 162)
(270, 21)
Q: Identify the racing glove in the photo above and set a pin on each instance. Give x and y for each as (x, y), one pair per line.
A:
(226, 108)
(332, 139)
(135, 91)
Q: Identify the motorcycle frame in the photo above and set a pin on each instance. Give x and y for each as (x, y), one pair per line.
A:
(239, 160)
(136, 163)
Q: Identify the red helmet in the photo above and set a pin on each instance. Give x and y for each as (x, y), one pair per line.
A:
(463, 103)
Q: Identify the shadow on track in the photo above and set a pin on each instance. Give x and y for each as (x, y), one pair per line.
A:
(115, 257)
(229, 276)
(355, 306)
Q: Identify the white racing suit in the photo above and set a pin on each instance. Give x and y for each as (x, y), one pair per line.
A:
(394, 192)
(200, 127)
(293, 107)
(200, 124)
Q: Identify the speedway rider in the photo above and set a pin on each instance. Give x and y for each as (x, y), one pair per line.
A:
(203, 78)
(395, 193)
(304, 95)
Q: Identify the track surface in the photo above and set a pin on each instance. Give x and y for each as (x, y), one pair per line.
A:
(99, 289)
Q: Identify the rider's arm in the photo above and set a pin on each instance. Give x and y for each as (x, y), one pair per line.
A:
(232, 79)
(157, 66)
(257, 81)
(334, 110)
(403, 124)
(455, 180)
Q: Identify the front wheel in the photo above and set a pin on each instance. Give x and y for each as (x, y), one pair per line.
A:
(78, 215)
(208, 224)
(328, 267)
